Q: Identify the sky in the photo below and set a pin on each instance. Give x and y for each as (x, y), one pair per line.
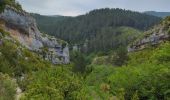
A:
(79, 7)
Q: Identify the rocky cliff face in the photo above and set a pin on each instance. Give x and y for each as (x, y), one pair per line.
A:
(22, 27)
(155, 36)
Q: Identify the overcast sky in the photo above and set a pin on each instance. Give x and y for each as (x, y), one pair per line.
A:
(78, 7)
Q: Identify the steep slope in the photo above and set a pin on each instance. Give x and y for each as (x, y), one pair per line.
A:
(98, 25)
(16, 59)
(158, 14)
(23, 28)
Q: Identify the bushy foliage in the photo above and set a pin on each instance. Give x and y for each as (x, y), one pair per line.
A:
(7, 87)
(79, 62)
(54, 83)
(118, 57)
(145, 80)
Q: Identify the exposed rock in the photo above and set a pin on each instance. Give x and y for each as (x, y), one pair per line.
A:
(75, 47)
(26, 25)
(18, 93)
(66, 55)
(158, 34)
(22, 27)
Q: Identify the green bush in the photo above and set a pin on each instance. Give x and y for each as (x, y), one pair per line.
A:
(79, 62)
(54, 83)
(144, 79)
(4, 32)
(7, 87)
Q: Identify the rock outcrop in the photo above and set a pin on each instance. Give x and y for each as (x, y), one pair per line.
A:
(23, 28)
(155, 36)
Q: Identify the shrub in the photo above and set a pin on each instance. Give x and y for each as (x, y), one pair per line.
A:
(53, 83)
(79, 62)
(7, 87)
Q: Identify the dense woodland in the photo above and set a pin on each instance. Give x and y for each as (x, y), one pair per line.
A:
(99, 29)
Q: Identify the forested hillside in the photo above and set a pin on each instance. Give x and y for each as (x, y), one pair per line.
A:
(99, 29)
(47, 22)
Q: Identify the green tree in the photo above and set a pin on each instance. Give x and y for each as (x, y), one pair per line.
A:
(120, 56)
(79, 62)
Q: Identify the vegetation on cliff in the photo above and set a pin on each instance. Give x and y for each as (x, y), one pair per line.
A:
(7, 87)
(11, 3)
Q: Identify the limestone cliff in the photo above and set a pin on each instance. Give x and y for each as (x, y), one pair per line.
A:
(23, 28)
(155, 36)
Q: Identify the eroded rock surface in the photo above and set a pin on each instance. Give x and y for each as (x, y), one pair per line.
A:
(158, 34)
(22, 27)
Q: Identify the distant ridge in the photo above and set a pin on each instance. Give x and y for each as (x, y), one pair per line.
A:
(158, 14)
